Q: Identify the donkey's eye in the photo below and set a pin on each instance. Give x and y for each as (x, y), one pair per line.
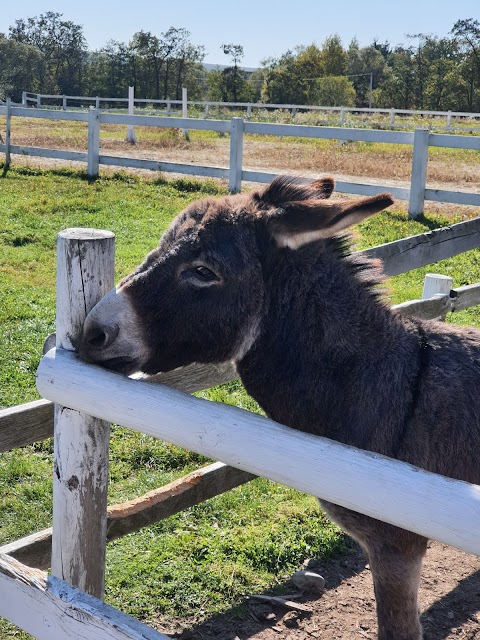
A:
(205, 274)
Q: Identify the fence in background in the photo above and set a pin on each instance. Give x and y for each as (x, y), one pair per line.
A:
(380, 487)
(421, 139)
(251, 108)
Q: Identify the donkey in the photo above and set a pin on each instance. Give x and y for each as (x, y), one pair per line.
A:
(265, 279)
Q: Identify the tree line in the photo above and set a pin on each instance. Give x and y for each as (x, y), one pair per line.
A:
(47, 54)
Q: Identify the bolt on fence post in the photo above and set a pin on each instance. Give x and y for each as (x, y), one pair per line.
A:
(85, 273)
(236, 155)
(93, 153)
(419, 172)
(8, 131)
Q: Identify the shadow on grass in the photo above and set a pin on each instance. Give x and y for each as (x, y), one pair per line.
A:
(252, 616)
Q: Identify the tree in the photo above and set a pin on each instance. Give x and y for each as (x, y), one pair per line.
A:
(63, 47)
(334, 57)
(20, 68)
(334, 91)
(233, 79)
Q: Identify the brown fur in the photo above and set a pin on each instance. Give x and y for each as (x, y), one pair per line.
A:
(317, 347)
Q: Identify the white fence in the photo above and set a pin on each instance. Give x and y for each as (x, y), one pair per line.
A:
(383, 488)
(250, 108)
(421, 139)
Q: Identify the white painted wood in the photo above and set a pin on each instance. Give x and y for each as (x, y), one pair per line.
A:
(332, 133)
(85, 266)
(419, 172)
(160, 121)
(49, 114)
(24, 98)
(8, 131)
(435, 284)
(454, 142)
(389, 490)
(185, 132)
(174, 167)
(93, 152)
(455, 197)
(131, 137)
(76, 156)
(50, 609)
(236, 155)
(64, 103)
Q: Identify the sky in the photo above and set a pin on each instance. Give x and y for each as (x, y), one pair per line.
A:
(264, 29)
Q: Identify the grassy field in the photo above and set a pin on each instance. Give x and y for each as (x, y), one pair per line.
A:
(207, 559)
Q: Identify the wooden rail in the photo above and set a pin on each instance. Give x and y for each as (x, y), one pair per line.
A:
(421, 140)
(51, 609)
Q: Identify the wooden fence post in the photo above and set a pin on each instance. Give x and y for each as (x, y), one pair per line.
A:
(436, 284)
(8, 131)
(39, 100)
(85, 262)
(131, 137)
(342, 117)
(236, 155)
(24, 99)
(449, 120)
(185, 132)
(392, 117)
(419, 172)
(93, 152)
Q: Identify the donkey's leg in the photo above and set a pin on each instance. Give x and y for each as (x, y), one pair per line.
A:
(395, 558)
(396, 577)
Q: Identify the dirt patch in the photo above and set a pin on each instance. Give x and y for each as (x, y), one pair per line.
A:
(449, 599)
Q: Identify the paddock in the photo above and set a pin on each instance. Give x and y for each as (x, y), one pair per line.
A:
(386, 489)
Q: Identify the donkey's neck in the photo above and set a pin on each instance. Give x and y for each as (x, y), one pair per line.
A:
(331, 358)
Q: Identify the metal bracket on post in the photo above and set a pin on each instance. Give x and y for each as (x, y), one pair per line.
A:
(93, 153)
(419, 172)
(236, 155)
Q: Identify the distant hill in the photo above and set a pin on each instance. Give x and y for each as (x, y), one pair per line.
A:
(219, 67)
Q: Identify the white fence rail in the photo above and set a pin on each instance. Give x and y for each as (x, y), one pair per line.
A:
(35, 99)
(421, 140)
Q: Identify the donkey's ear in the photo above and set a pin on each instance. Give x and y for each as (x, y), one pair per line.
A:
(299, 223)
(285, 189)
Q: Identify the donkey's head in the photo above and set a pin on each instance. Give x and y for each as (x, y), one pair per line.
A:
(201, 295)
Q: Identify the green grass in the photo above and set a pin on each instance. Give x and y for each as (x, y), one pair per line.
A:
(206, 559)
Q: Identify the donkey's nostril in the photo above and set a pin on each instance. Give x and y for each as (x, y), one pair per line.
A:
(101, 337)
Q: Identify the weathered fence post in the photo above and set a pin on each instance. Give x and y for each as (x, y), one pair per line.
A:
(419, 172)
(8, 131)
(236, 155)
(93, 152)
(449, 120)
(85, 261)
(436, 284)
(342, 117)
(39, 100)
(131, 137)
(392, 117)
(24, 99)
(185, 132)
(64, 102)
